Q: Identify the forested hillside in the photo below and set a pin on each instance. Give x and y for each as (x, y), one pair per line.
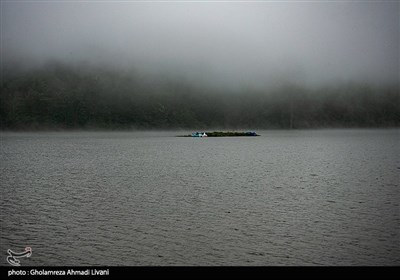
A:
(60, 96)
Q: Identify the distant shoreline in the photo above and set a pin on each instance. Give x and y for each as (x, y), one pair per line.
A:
(184, 130)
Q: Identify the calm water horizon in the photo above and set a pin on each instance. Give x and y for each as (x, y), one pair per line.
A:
(295, 197)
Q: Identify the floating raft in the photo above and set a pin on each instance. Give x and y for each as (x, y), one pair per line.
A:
(227, 134)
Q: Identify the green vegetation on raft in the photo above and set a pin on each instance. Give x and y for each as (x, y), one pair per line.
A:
(227, 134)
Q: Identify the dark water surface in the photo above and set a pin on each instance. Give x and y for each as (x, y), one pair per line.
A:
(323, 197)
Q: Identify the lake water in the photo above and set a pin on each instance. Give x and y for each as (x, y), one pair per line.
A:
(319, 197)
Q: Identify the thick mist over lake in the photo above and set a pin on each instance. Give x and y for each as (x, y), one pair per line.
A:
(94, 95)
(199, 65)
(249, 44)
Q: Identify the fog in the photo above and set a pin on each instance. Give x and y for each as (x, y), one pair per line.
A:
(199, 64)
(228, 44)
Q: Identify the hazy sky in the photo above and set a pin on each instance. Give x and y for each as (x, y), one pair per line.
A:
(249, 43)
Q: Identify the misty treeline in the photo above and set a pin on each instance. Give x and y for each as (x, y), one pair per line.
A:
(64, 96)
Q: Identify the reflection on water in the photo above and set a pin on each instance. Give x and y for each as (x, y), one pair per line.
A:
(328, 197)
